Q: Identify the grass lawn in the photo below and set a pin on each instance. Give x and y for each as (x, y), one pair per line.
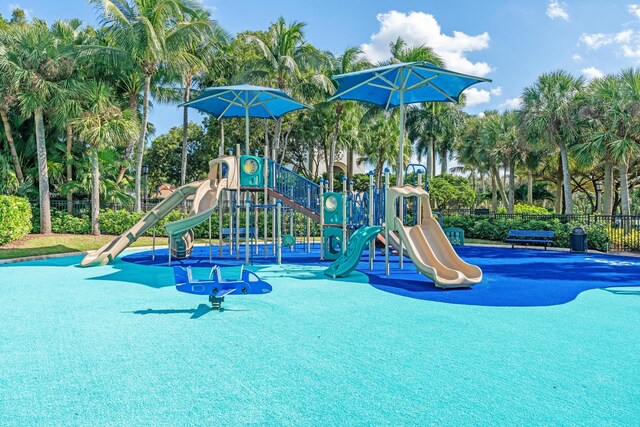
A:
(485, 242)
(37, 244)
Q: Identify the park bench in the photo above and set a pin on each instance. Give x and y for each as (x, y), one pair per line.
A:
(230, 235)
(516, 237)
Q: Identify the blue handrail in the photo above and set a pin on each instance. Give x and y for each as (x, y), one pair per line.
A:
(301, 190)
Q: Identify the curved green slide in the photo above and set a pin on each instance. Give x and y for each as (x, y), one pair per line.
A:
(349, 260)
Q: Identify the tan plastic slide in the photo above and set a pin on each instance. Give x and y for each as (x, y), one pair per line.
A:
(206, 193)
(427, 245)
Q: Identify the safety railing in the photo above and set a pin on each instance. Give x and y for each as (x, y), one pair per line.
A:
(301, 190)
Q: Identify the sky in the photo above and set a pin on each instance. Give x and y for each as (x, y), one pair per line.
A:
(508, 41)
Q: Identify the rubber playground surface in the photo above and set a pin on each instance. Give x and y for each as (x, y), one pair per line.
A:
(545, 338)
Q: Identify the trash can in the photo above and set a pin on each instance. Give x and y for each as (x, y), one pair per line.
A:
(578, 240)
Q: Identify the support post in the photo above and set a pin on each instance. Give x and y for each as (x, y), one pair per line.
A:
(237, 207)
(308, 219)
(247, 246)
(265, 171)
(278, 231)
(386, 226)
(344, 214)
(418, 213)
(210, 244)
(153, 245)
(169, 263)
(321, 219)
(371, 212)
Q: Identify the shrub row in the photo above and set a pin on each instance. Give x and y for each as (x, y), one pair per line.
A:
(117, 222)
(15, 218)
(490, 228)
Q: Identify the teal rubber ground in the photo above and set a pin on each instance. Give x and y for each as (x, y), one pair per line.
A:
(117, 345)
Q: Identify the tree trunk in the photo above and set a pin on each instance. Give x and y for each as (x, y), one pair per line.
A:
(349, 164)
(566, 178)
(607, 193)
(512, 184)
(95, 192)
(494, 193)
(334, 140)
(128, 153)
(430, 162)
(529, 187)
(443, 161)
(43, 173)
(557, 203)
(69, 138)
(142, 141)
(222, 137)
(503, 193)
(185, 132)
(623, 169)
(276, 138)
(12, 146)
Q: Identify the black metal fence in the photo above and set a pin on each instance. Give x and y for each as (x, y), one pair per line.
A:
(623, 230)
(83, 206)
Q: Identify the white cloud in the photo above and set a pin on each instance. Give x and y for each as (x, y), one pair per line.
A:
(418, 28)
(496, 91)
(27, 12)
(576, 57)
(475, 96)
(634, 9)
(631, 52)
(511, 104)
(597, 40)
(557, 10)
(592, 73)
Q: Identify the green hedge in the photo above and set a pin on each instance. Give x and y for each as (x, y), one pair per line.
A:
(15, 218)
(490, 228)
(117, 222)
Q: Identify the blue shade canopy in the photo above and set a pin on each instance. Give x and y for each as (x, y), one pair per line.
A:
(404, 83)
(399, 84)
(245, 101)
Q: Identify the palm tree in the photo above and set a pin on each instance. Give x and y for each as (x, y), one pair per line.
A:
(102, 125)
(38, 66)
(350, 60)
(285, 55)
(190, 74)
(547, 108)
(148, 33)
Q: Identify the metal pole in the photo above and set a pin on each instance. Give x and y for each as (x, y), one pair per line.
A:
(247, 249)
(278, 231)
(265, 174)
(386, 226)
(399, 171)
(169, 264)
(308, 219)
(153, 245)
(210, 245)
(246, 129)
(418, 212)
(344, 214)
(372, 208)
(321, 219)
(237, 205)
(220, 216)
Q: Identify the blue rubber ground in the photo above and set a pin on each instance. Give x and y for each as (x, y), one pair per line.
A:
(546, 338)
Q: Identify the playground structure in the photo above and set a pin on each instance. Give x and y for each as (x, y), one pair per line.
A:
(263, 200)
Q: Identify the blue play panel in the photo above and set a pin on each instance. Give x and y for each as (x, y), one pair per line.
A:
(511, 277)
